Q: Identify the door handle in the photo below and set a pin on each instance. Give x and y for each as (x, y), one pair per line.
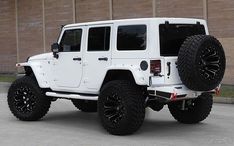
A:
(77, 59)
(103, 59)
(169, 68)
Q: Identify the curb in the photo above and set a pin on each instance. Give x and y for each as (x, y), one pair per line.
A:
(227, 100)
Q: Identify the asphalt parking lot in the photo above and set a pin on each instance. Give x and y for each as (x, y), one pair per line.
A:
(64, 125)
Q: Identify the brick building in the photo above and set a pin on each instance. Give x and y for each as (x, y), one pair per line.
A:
(28, 27)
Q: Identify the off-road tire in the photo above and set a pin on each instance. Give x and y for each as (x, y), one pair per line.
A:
(27, 100)
(201, 62)
(128, 101)
(85, 105)
(196, 113)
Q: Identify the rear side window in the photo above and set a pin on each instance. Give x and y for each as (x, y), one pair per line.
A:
(172, 36)
(99, 39)
(131, 37)
(71, 41)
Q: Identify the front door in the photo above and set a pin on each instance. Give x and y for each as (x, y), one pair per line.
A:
(68, 66)
(97, 57)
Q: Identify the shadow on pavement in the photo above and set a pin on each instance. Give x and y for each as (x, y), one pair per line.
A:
(74, 120)
(150, 127)
(169, 128)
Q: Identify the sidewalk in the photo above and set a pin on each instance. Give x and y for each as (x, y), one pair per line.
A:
(227, 100)
(5, 85)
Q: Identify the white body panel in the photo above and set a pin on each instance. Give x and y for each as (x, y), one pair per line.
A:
(64, 74)
(171, 74)
(41, 66)
(87, 75)
(94, 69)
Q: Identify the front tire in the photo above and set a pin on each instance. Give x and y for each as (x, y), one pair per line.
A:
(194, 111)
(121, 107)
(26, 99)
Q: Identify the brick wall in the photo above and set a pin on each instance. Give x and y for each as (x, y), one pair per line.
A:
(30, 28)
(221, 18)
(179, 8)
(7, 36)
(228, 44)
(132, 9)
(57, 13)
(90, 10)
(221, 22)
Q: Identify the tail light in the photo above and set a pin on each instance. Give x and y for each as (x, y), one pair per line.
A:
(155, 66)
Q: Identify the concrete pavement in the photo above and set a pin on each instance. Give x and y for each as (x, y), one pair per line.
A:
(64, 125)
(4, 87)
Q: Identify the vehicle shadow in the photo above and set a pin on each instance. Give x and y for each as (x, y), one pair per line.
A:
(74, 119)
(172, 128)
(151, 127)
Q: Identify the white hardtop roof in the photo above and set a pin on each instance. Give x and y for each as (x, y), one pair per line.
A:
(131, 20)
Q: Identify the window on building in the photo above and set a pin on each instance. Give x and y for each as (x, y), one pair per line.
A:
(99, 39)
(131, 37)
(71, 41)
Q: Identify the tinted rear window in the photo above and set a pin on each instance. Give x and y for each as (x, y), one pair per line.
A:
(173, 35)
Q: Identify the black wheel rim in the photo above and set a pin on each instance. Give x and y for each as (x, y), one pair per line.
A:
(209, 64)
(24, 100)
(114, 109)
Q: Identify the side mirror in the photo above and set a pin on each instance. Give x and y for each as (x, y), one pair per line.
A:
(55, 49)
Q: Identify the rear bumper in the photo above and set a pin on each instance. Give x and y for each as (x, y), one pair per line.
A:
(176, 92)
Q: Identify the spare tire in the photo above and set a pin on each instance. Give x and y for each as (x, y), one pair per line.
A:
(201, 62)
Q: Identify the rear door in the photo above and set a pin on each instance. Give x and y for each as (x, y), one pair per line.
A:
(97, 56)
(172, 36)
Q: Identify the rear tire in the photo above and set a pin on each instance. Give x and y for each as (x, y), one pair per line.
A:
(85, 105)
(26, 99)
(121, 107)
(195, 111)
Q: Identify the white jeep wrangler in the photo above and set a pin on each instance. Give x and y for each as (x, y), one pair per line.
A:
(120, 67)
